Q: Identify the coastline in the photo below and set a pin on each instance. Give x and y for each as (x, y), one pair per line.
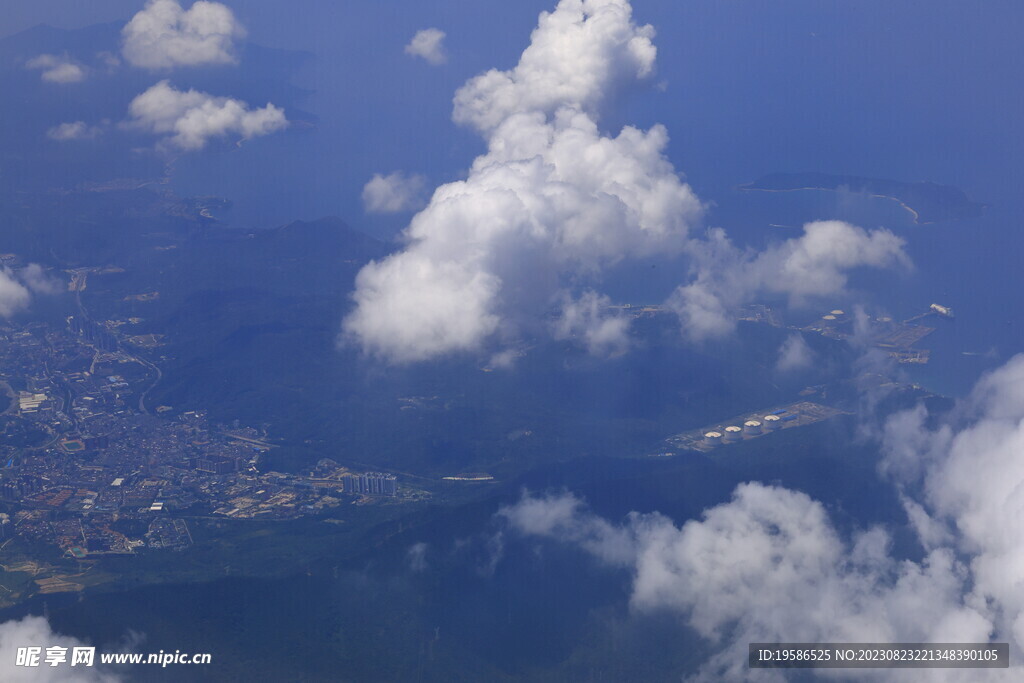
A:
(916, 216)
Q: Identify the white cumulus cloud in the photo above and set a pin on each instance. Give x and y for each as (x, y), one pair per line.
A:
(428, 44)
(577, 55)
(815, 264)
(768, 566)
(394, 193)
(552, 198)
(57, 69)
(164, 35)
(969, 471)
(191, 118)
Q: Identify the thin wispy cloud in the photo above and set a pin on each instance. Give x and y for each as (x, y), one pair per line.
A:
(72, 130)
(794, 354)
(17, 287)
(57, 69)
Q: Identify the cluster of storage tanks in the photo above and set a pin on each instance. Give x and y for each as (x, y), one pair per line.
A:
(734, 433)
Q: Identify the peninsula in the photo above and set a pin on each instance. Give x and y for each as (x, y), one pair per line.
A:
(928, 202)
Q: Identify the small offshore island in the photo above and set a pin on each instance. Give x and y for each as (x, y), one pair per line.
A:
(927, 202)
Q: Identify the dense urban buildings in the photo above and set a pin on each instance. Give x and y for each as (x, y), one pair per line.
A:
(86, 466)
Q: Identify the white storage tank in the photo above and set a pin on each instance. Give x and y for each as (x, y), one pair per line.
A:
(771, 422)
(751, 427)
(713, 438)
(733, 433)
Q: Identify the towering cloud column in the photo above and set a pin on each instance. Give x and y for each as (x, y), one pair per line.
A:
(555, 201)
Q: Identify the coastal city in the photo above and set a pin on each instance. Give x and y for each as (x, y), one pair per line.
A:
(87, 468)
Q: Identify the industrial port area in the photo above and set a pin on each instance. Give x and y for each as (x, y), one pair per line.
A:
(899, 339)
(750, 426)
